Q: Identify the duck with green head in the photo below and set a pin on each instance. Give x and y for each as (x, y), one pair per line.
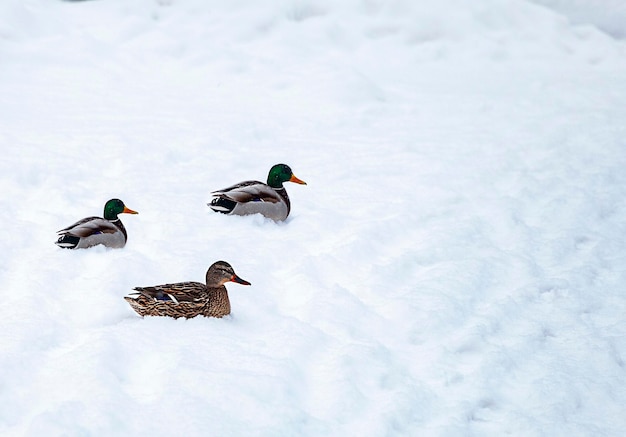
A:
(254, 197)
(91, 231)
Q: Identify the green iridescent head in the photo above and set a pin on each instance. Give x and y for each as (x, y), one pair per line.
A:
(114, 207)
(281, 173)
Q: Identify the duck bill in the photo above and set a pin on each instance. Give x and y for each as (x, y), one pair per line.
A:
(238, 280)
(129, 211)
(296, 180)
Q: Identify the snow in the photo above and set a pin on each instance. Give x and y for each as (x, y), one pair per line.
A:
(454, 267)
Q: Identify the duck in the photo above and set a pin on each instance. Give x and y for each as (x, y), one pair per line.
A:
(188, 299)
(91, 231)
(254, 197)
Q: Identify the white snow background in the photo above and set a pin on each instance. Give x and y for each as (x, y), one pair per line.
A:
(456, 265)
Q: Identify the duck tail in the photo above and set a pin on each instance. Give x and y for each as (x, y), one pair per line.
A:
(67, 241)
(222, 204)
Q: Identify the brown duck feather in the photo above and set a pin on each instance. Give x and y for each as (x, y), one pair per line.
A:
(188, 299)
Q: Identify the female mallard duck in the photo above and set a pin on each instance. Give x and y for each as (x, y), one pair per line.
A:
(188, 299)
(108, 231)
(252, 197)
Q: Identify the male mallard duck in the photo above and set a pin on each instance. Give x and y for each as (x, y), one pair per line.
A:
(188, 299)
(91, 231)
(252, 197)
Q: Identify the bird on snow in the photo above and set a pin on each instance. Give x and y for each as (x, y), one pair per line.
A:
(188, 299)
(108, 231)
(252, 197)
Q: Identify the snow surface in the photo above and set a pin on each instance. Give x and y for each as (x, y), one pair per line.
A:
(456, 265)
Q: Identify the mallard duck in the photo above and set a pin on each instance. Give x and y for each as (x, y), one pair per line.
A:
(188, 299)
(252, 197)
(108, 231)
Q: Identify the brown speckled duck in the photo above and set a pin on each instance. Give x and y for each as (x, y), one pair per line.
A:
(91, 231)
(188, 299)
(254, 197)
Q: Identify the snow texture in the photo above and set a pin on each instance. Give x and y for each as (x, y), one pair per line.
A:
(456, 265)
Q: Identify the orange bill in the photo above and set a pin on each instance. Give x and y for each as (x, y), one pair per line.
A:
(129, 211)
(296, 180)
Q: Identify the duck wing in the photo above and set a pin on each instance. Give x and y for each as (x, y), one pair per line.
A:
(90, 226)
(177, 292)
(249, 191)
